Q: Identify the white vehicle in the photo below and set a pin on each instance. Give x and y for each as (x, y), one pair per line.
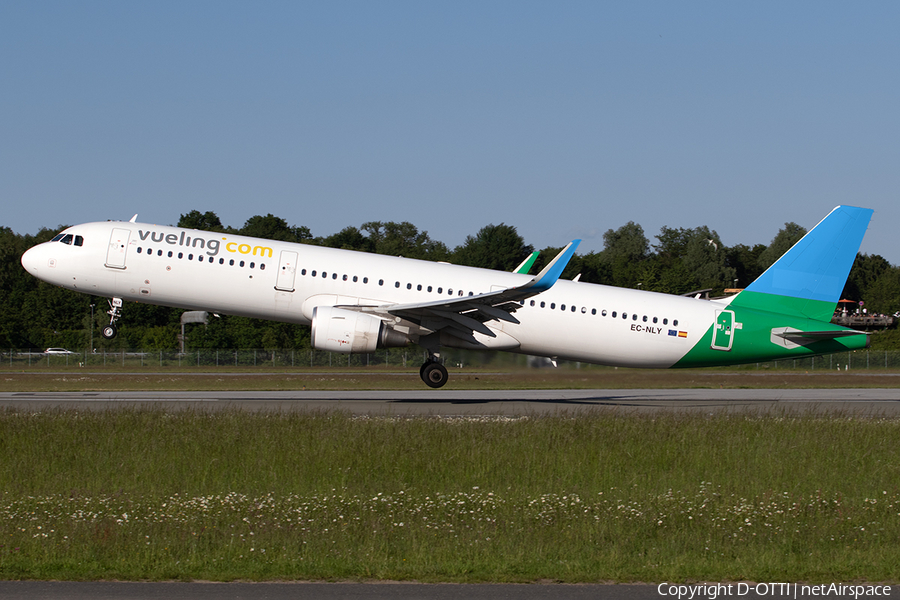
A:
(358, 302)
(58, 351)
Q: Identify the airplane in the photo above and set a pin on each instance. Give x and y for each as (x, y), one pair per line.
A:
(358, 302)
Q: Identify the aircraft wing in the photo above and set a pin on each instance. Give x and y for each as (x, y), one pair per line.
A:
(467, 314)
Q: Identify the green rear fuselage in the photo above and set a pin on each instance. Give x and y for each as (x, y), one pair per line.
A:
(746, 330)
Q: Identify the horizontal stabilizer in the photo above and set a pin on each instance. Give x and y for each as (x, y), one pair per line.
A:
(794, 338)
(820, 335)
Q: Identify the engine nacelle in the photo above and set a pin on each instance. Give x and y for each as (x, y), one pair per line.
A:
(349, 331)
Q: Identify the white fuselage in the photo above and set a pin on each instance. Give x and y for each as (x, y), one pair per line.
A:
(266, 279)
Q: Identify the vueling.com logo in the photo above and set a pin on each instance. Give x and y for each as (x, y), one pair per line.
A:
(211, 245)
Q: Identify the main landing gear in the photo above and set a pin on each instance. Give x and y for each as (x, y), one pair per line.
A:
(114, 312)
(433, 373)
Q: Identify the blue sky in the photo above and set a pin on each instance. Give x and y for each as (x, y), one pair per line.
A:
(562, 119)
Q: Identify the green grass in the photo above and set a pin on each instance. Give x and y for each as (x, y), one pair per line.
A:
(145, 494)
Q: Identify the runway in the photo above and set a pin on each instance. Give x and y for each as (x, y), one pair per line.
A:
(882, 402)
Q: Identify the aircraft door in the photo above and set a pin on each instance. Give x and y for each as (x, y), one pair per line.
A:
(723, 333)
(118, 244)
(287, 270)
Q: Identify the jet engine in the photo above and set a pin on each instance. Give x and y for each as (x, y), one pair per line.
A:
(349, 331)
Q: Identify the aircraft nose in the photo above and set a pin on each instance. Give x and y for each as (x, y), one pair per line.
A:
(31, 260)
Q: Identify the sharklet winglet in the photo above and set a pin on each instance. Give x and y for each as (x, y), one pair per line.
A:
(526, 264)
(550, 274)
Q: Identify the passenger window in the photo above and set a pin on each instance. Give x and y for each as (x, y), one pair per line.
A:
(645, 318)
(381, 282)
(365, 280)
(449, 291)
(139, 250)
(171, 254)
(344, 278)
(655, 319)
(252, 265)
(562, 307)
(573, 308)
(241, 264)
(440, 290)
(181, 255)
(409, 286)
(460, 293)
(324, 275)
(624, 315)
(79, 241)
(313, 273)
(419, 288)
(634, 317)
(429, 289)
(542, 304)
(675, 323)
(613, 314)
(262, 266)
(355, 279)
(221, 260)
(603, 313)
(553, 305)
(190, 257)
(665, 321)
(333, 275)
(593, 311)
(396, 284)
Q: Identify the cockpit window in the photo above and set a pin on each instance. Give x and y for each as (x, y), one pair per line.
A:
(68, 238)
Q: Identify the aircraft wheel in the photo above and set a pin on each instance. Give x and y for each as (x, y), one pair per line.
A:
(109, 332)
(434, 374)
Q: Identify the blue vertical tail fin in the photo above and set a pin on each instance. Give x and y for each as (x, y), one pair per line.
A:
(809, 278)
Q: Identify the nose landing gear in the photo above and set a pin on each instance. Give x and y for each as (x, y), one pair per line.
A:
(114, 312)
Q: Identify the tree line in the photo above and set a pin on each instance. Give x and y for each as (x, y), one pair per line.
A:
(38, 315)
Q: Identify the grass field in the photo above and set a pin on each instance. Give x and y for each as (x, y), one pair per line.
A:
(145, 494)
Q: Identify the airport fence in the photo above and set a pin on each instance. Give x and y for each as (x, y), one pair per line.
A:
(255, 358)
(386, 359)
